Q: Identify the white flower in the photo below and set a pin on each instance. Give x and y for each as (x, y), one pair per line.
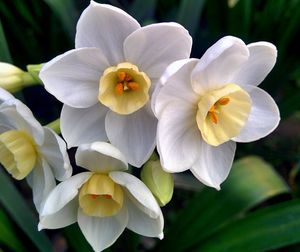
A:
(29, 150)
(106, 83)
(104, 200)
(207, 105)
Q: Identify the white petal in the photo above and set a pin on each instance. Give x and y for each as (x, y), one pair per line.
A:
(100, 157)
(134, 134)
(105, 27)
(73, 77)
(102, 232)
(43, 183)
(178, 136)
(16, 115)
(55, 152)
(261, 61)
(141, 223)
(153, 47)
(64, 217)
(177, 86)
(83, 125)
(264, 116)
(219, 64)
(4, 95)
(139, 191)
(214, 163)
(64, 192)
(160, 82)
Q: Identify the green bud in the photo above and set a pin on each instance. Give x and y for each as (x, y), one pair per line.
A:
(160, 183)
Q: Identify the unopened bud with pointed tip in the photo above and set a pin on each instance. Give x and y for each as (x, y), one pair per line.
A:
(160, 183)
(14, 79)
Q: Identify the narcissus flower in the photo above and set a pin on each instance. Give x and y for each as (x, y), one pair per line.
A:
(104, 200)
(29, 150)
(106, 83)
(207, 105)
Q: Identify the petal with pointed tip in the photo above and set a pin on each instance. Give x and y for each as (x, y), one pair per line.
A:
(83, 125)
(100, 157)
(73, 77)
(214, 163)
(102, 232)
(105, 27)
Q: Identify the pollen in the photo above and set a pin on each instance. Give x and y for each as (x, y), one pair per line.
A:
(124, 89)
(125, 83)
(119, 89)
(107, 196)
(214, 110)
(133, 85)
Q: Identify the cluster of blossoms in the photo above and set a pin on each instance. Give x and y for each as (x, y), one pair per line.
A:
(136, 88)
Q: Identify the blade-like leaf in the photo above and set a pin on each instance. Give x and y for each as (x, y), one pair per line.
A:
(8, 235)
(189, 14)
(250, 182)
(143, 10)
(66, 12)
(4, 50)
(15, 205)
(76, 239)
(269, 228)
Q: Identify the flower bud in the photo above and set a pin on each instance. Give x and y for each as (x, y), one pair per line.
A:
(14, 79)
(160, 183)
(10, 77)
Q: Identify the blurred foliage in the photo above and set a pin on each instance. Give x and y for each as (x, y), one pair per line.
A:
(254, 211)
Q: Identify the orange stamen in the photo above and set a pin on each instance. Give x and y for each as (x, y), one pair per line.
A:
(128, 77)
(213, 117)
(119, 88)
(133, 85)
(106, 196)
(224, 101)
(121, 76)
(94, 196)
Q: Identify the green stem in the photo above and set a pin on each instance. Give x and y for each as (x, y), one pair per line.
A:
(55, 125)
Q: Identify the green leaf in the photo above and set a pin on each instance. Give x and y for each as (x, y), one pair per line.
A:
(16, 206)
(4, 50)
(143, 10)
(250, 182)
(8, 236)
(239, 18)
(266, 229)
(189, 14)
(76, 239)
(65, 10)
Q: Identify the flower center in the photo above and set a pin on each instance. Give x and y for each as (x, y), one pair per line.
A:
(214, 110)
(222, 113)
(18, 153)
(100, 196)
(123, 88)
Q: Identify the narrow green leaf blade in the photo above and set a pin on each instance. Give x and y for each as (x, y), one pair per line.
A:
(76, 239)
(266, 229)
(15, 205)
(65, 10)
(190, 13)
(8, 235)
(250, 182)
(143, 10)
(4, 50)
